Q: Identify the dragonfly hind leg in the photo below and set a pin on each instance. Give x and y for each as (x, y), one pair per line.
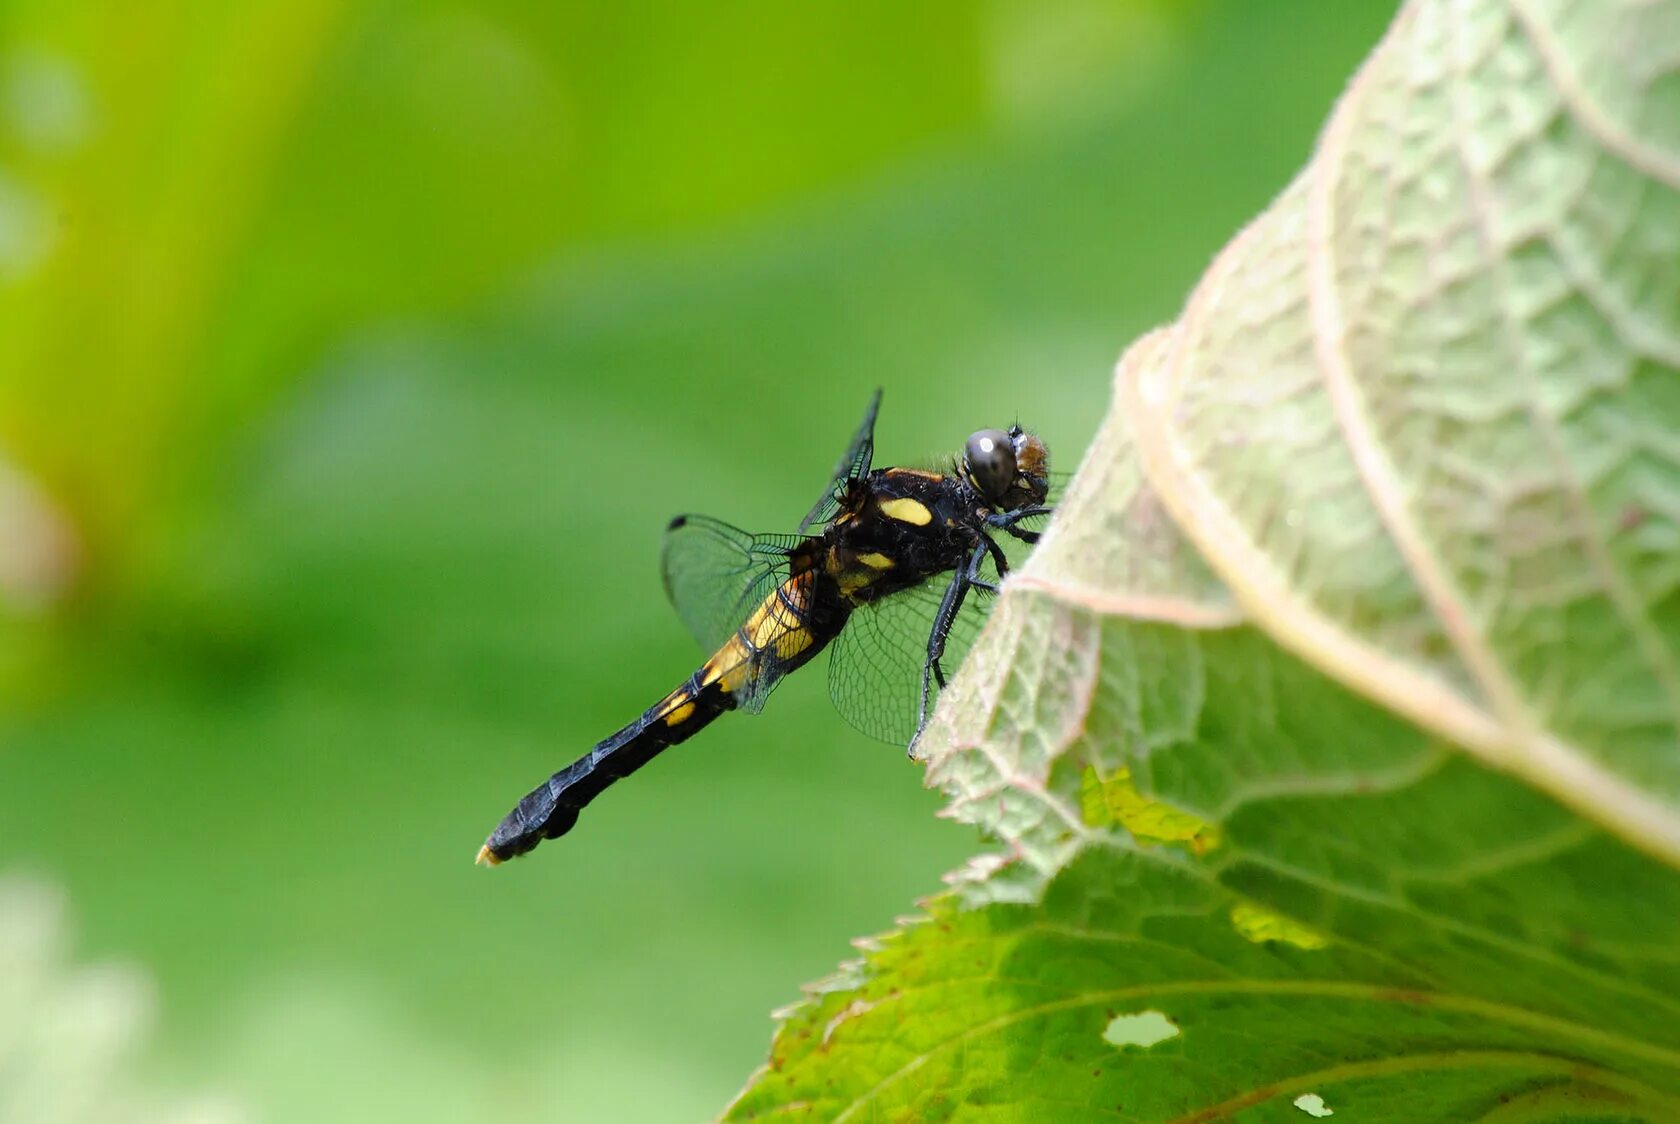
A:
(949, 606)
(975, 560)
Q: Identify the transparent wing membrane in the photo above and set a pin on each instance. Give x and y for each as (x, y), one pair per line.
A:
(779, 649)
(853, 465)
(875, 665)
(716, 574)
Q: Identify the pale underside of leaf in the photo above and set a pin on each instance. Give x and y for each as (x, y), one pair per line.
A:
(1371, 579)
(1342, 478)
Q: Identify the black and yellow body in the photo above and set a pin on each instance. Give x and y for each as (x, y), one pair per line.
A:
(786, 630)
(767, 605)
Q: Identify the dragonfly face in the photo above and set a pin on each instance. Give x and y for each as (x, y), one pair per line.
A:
(879, 572)
(1009, 469)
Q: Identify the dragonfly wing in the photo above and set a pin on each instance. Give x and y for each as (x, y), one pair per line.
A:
(875, 666)
(782, 633)
(853, 465)
(716, 574)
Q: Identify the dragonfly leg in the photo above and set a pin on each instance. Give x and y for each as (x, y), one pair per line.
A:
(1006, 522)
(1010, 518)
(973, 577)
(932, 672)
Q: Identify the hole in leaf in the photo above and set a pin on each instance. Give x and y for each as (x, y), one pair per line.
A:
(1145, 1028)
(1261, 925)
(1313, 1105)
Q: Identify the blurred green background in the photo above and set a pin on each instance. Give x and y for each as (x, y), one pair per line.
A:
(352, 358)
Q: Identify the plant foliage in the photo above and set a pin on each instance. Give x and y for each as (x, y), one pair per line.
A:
(1329, 736)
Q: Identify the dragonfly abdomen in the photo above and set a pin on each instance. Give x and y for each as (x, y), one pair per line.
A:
(549, 810)
(792, 624)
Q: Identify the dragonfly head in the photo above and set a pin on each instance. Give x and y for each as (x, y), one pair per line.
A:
(1009, 468)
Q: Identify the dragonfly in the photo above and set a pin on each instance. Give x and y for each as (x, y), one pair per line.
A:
(879, 572)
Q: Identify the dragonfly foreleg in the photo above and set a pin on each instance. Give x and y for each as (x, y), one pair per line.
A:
(1006, 521)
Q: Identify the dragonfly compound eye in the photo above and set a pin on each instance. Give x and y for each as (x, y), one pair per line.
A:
(989, 460)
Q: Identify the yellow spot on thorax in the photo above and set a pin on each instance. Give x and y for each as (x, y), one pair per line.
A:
(906, 510)
(854, 579)
(876, 561)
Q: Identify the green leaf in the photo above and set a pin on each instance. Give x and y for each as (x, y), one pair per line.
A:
(1332, 726)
